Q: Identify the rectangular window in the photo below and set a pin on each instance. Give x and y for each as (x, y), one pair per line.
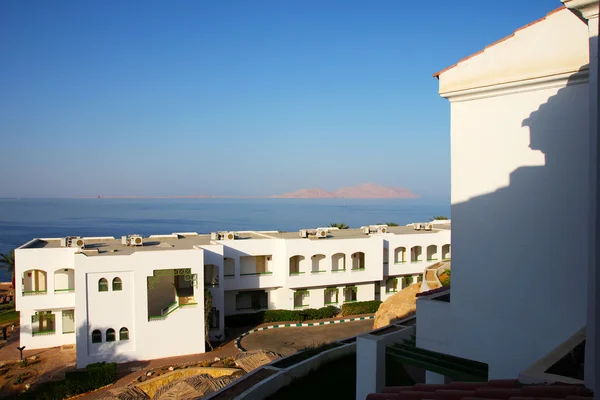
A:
(331, 295)
(252, 300)
(391, 285)
(185, 288)
(301, 298)
(42, 323)
(214, 318)
(68, 321)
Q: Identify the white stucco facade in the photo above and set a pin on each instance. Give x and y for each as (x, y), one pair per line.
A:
(520, 139)
(122, 303)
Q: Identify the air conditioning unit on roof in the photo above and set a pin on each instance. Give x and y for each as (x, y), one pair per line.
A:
(75, 241)
(135, 240)
(229, 236)
(321, 233)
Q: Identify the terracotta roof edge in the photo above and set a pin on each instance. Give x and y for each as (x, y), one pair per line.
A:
(437, 74)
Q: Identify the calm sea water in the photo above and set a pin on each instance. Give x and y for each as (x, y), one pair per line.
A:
(24, 219)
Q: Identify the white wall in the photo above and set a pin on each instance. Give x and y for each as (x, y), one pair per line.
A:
(520, 193)
(147, 339)
(372, 247)
(213, 254)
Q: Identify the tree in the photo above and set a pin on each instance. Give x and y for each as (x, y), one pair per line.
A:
(439, 218)
(391, 224)
(339, 225)
(207, 316)
(7, 262)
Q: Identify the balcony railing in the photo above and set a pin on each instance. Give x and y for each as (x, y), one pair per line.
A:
(181, 302)
(318, 272)
(43, 333)
(338, 270)
(59, 291)
(257, 273)
(34, 292)
(296, 273)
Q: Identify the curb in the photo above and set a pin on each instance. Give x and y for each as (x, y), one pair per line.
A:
(238, 340)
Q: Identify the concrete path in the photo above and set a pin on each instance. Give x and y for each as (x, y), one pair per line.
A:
(287, 341)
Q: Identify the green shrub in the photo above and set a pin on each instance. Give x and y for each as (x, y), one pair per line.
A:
(76, 382)
(271, 316)
(361, 307)
(7, 306)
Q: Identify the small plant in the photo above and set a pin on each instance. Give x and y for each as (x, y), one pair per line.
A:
(439, 218)
(20, 378)
(24, 363)
(339, 225)
(228, 363)
(206, 364)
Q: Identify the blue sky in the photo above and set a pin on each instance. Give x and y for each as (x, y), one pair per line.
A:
(233, 97)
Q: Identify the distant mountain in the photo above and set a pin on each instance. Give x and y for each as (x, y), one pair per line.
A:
(362, 191)
(315, 193)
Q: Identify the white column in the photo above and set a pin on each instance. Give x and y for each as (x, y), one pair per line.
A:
(588, 10)
(370, 366)
(58, 328)
(592, 356)
(434, 378)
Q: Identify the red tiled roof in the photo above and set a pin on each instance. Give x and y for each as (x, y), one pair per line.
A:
(437, 74)
(494, 389)
(433, 291)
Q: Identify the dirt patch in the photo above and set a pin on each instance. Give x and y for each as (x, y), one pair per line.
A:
(444, 278)
(245, 384)
(16, 377)
(401, 305)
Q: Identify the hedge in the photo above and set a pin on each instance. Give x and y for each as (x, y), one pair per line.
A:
(262, 317)
(361, 307)
(76, 382)
(7, 306)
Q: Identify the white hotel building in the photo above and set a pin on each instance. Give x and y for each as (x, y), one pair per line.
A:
(138, 298)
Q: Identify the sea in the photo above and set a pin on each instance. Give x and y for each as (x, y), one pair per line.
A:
(24, 219)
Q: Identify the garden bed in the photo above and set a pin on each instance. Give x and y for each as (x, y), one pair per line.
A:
(240, 387)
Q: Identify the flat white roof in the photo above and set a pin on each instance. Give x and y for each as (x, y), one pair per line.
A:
(189, 240)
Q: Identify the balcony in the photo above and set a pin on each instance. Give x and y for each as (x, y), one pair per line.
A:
(64, 281)
(35, 292)
(257, 273)
(183, 301)
(35, 283)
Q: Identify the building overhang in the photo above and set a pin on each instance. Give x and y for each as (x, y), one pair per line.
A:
(584, 9)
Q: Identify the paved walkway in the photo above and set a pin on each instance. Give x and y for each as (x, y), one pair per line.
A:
(287, 341)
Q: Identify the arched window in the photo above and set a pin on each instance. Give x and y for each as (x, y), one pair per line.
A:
(123, 334)
(117, 284)
(103, 285)
(96, 336)
(110, 335)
